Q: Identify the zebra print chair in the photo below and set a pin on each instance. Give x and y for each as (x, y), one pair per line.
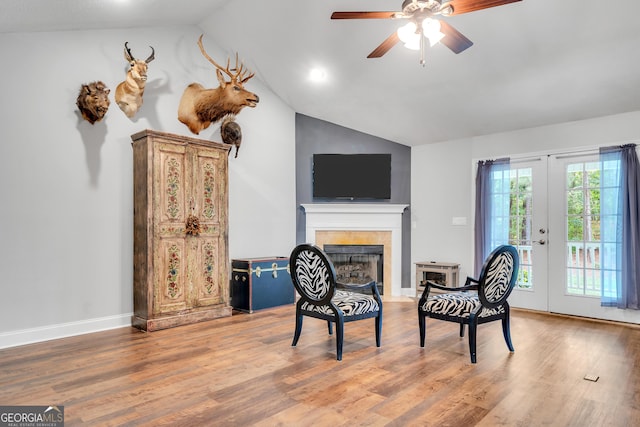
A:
(314, 277)
(478, 301)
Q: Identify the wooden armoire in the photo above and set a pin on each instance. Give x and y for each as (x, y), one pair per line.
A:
(180, 208)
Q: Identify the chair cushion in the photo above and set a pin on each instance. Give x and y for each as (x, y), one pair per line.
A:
(351, 304)
(459, 304)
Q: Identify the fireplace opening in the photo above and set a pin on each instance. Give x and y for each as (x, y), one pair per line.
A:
(358, 263)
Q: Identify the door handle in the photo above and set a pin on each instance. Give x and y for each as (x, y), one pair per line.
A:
(541, 242)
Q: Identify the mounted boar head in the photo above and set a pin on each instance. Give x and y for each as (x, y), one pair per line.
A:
(129, 92)
(93, 101)
(199, 107)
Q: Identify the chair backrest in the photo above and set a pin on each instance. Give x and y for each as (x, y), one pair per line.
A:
(498, 276)
(313, 274)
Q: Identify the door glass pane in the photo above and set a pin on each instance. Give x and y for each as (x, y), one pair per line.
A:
(582, 215)
(520, 213)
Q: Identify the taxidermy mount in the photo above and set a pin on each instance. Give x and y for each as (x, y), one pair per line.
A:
(231, 133)
(93, 101)
(129, 92)
(199, 107)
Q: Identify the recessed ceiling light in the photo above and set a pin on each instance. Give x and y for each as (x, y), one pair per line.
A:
(317, 75)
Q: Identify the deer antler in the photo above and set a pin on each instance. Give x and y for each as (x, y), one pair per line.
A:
(239, 71)
(128, 52)
(152, 56)
(132, 58)
(206, 55)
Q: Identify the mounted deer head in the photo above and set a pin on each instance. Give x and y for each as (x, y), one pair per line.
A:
(199, 107)
(129, 92)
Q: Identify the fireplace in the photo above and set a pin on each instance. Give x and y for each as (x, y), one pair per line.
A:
(361, 224)
(358, 264)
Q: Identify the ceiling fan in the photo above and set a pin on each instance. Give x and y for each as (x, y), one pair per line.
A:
(422, 23)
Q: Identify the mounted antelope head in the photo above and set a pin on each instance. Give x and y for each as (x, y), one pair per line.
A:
(199, 107)
(129, 92)
(93, 101)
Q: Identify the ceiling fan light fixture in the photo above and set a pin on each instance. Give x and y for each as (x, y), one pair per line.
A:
(435, 38)
(407, 33)
(413, 44)
(431, 30)
(430, 26)
(416, 11)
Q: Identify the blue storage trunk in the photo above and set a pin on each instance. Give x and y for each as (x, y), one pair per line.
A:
(258, 283)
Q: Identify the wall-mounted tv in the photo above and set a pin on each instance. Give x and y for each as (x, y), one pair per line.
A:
(352, 176)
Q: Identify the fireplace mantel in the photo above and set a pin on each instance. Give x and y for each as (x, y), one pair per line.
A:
(362, 217)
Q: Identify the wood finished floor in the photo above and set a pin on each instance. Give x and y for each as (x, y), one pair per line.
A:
(242, 371)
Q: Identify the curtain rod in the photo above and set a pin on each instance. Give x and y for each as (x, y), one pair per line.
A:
(525, 159)
(576, 154)
(558, 155)
(565, 154)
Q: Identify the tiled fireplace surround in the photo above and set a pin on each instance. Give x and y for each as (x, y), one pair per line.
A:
(360, 224)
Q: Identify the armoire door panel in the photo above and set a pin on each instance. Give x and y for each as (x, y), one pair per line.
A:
(208, 191)
(171, 272)
(172, 183)
(207, 273)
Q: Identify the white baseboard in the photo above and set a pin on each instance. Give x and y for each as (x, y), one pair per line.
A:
(63, 330)
(409, 292)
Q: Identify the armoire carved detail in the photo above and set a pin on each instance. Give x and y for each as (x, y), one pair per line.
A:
(180, 277)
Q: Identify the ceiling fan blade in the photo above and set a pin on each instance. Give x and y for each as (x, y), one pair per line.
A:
(363, 15)
(466, 6)
(454, 39)
(385, 46)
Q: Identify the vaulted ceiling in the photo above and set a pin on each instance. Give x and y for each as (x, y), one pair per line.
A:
(533, 63)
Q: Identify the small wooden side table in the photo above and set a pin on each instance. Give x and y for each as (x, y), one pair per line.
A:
(442, 273)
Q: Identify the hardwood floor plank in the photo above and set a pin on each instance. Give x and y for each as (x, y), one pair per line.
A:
(242, 370)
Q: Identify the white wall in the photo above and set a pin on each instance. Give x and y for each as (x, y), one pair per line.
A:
(443, 178)
(66, 185)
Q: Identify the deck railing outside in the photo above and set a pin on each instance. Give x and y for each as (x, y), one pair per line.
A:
(582, 268)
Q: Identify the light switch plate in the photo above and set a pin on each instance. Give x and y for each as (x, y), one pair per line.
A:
(459, 220)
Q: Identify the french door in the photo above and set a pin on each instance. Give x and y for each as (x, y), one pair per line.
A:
(574, 251)
(528, 232)
(555, 224)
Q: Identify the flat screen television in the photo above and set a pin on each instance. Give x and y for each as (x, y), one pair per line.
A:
(352, 176)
